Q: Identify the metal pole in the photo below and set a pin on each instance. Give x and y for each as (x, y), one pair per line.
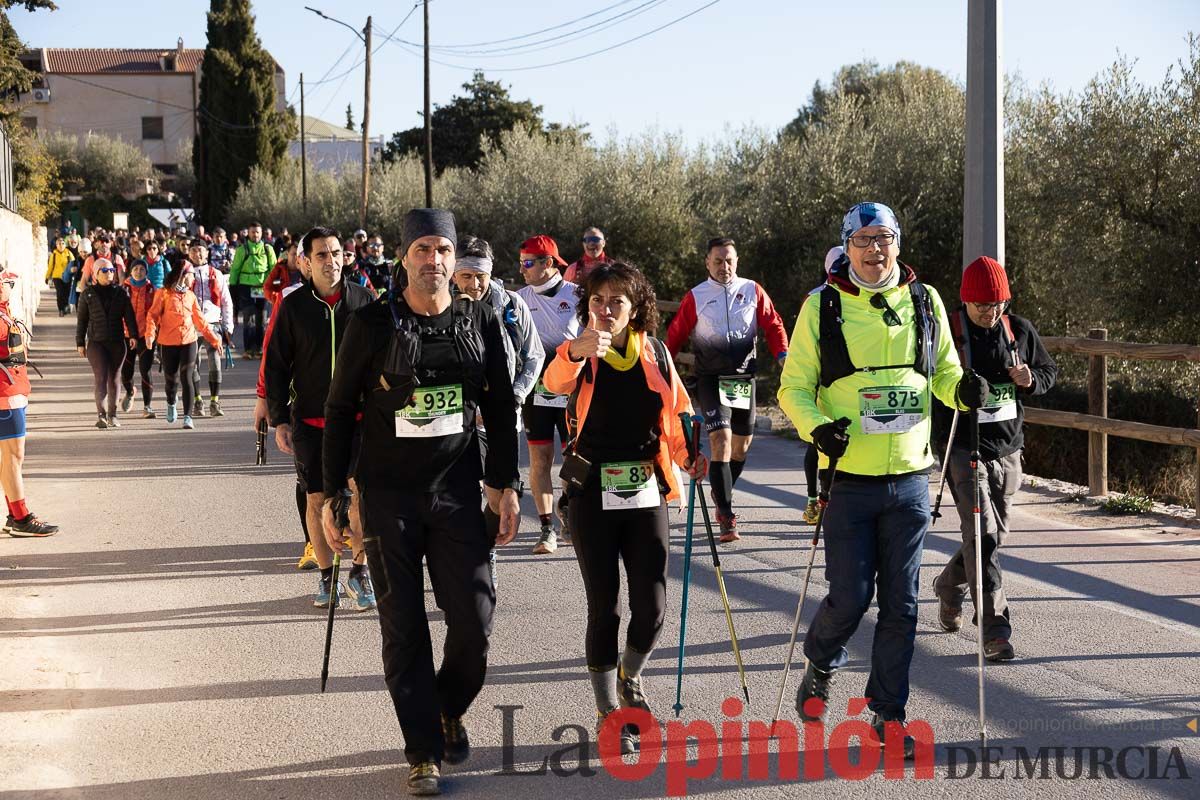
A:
(303, 152)
(983, 195)
(428, 121)
(979, 600)
(366, 127)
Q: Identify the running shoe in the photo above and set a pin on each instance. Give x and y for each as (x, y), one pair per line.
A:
(113, 422)
(127, 401)
(423, 779)
(308, 560)
(626, 731)
(729, 531)
(322, 597)
(148, 413)
(457, 742)
(629, 691)
(548, 542)
(29, 528)
(102, 422)
(362, 593)
(812, 512)
(998, 650)
(197, 407)
(187, 422)
(214, 408)
(172, 412)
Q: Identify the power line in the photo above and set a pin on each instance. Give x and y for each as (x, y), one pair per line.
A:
(362, 60)
(543, 30)
(675, 21)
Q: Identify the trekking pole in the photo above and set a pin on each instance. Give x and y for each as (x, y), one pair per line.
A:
(260, 445)
(937, 505)
(823, 501)
(693, 445)
(978, 573)
(341, 518)
(712, 546)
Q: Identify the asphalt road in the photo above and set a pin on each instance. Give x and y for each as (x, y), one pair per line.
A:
(163, 645)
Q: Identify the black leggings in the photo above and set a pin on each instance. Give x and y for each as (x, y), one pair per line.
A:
(62, 295)
(178, 361)
(810, 470)
(637, 537)
(106, 358)
(144, 361)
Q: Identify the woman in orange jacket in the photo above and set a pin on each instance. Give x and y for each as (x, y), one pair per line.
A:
(626, 439)
(175, 321)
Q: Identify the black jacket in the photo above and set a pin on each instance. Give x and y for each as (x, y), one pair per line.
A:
(102, 310)
(365, 383)
(991, 359)
(301, 352)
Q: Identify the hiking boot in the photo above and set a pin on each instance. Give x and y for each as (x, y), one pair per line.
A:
(148, 413)
(308, 559)
(729, 531)
(423, 779)
(102, 422)
(812, 512)
(548, 542)
(949, 616)
(197, 407)
(172, 412)
(815, 684)
(187, 422)
(113, 422)
(880, 726)
(362, 594)
(322, 598)
(627, 741)
(214, 408)
(29, 528)
(127, 401)
(456, 741)
(995, 650)
(629, 691)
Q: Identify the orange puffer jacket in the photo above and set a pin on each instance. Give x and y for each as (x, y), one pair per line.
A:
(174, 319)
(141, 297)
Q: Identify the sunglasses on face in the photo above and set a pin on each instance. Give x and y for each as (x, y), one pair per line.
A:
(593, 239)
(10, 284)
(106, 269)
(529, 263)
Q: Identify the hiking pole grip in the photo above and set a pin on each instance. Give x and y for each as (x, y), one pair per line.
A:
(691, 431)
(260, 452)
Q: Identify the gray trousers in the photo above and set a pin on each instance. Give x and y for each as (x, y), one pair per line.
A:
(214, 367)
(998, 483)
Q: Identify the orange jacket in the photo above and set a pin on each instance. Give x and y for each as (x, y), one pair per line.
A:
(14, 380)
(175, 317)
(141, 297)
(563, 374)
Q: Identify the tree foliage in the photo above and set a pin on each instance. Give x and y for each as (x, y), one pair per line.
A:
(239, 126)
(94, 164)
(35, 173)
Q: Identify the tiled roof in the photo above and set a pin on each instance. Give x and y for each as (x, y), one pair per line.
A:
(93, 61)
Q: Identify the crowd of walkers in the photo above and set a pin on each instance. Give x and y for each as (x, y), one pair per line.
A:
(399, 387)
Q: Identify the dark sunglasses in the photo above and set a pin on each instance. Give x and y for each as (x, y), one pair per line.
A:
(890, 317)
(530, 262)
(593, 239)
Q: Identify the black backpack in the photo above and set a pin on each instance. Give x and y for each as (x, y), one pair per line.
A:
(835, 355)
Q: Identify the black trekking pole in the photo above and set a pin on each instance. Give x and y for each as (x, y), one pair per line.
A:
(937, 505)
(260, 445)
(712, 546)
(341, 518)
(823, 501)
(978, 575)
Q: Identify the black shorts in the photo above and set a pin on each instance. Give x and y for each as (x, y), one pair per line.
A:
(542, 421)
(306, 442)
(717, 415)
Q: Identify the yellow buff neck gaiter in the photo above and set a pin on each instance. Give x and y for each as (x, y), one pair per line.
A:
(633, 352)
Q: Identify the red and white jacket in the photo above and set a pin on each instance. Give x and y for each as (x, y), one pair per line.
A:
(722, 321)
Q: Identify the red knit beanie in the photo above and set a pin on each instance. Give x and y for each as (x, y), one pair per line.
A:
(984, 281)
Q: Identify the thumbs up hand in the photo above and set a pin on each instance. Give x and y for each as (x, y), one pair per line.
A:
(591, 342)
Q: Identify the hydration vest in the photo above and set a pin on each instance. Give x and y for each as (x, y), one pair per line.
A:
(12, 347)
(835, 355)
(400, 370)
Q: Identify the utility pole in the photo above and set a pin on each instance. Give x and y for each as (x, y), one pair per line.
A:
(303, 153)
(366, 127)
(983, 190)
(428, 121)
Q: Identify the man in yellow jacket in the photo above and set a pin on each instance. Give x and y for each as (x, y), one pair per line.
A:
(873, 347)
(56, 273)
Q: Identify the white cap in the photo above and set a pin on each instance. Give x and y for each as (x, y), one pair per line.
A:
(832, 257)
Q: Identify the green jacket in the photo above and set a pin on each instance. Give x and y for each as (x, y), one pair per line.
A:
(871, 342)
(251, 263)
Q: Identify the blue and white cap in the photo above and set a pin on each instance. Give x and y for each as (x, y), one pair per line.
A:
(865, 214)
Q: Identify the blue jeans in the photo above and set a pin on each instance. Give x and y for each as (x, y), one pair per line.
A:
(874, 534)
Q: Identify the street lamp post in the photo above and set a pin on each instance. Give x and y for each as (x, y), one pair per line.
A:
(365, 37)
(983, 190)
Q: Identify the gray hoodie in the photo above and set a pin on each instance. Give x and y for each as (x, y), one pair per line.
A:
(522, 346)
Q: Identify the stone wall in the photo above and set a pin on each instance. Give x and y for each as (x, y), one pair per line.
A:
(23, 250)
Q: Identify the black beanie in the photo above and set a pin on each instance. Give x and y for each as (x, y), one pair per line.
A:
(428, 222)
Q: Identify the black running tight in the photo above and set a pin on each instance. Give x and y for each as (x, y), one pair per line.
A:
(178, 361)
(105, 359)
(602, 539)
(144, 362)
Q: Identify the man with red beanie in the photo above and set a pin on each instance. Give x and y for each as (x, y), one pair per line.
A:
(551, 301)
(1007, 351)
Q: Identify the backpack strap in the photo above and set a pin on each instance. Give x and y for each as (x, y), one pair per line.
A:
(835, 355)
(962, 343)
(1011, 343)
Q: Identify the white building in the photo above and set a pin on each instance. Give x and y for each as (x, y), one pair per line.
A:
(331, 148)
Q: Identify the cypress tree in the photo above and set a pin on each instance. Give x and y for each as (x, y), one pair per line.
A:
(239, 127)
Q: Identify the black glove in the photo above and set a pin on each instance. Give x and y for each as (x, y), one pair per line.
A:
(973, 390)
(831, 438)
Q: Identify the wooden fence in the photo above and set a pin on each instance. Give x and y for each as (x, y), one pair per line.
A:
(1097, 347)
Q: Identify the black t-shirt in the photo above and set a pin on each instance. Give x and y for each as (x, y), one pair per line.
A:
(623, 419)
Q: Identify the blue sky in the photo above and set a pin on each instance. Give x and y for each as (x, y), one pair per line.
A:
(734, 63)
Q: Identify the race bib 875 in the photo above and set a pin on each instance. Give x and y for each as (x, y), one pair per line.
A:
(890, 409)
